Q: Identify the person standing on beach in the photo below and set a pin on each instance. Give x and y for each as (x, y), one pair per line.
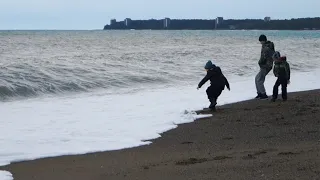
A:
(218, 82)
(281, 70)
(265, 64)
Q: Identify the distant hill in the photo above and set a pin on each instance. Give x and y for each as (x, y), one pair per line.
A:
(219, 23)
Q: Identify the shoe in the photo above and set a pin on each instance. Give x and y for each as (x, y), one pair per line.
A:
(263, 97)
(258, 96)
(212, 105)
(273, 100)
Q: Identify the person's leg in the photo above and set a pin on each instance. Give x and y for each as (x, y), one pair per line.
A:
(276, 90)
(284, 83)
(257, 78)
(260, 83)
(210, 96)
(213, 94)
(216, 94)
(208, 92)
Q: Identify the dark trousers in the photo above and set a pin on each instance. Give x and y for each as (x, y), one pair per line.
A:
(213, 93)
(283, 82)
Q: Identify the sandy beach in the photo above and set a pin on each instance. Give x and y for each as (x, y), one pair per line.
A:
(247, 140)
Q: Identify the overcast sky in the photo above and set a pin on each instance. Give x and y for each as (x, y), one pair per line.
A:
(94, 14)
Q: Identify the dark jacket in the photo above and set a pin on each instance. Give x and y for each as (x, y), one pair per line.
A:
(217, 79)
(267, 52)
(281, 68)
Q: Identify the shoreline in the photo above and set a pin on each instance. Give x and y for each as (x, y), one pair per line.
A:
(206, 143)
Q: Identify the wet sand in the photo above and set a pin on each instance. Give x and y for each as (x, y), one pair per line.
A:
(247, 140)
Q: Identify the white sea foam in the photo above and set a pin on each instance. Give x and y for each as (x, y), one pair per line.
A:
(4, 175)
(45, 127)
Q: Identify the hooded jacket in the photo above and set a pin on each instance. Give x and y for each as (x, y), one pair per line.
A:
(281, 68)
(267, 52)
(217, 79)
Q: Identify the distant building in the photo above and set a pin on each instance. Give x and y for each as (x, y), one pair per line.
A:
(267, 19)
(219, 21)
(166, 23)
(127, 22)
(113, 21)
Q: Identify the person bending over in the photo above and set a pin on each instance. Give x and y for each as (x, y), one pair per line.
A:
(218, 82)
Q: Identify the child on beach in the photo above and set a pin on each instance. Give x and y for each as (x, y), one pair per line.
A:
(218, 82)
(282, 71)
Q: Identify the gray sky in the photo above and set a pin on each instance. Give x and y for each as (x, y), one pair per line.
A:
(94, 14)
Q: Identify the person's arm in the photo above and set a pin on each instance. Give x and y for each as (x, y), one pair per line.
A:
(288, 71)
(275, 71)
(266, 54)
(204, 80)
(269, 51)
(263, 60)
(226, 82)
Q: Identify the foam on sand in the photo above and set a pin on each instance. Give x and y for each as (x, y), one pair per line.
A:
(47, 127)
(4, 175)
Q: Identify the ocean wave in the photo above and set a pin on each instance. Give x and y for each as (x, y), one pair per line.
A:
(29, 81)
(32, 81)
(41, 63)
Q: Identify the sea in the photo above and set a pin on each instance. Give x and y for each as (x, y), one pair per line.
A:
(75, 92)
